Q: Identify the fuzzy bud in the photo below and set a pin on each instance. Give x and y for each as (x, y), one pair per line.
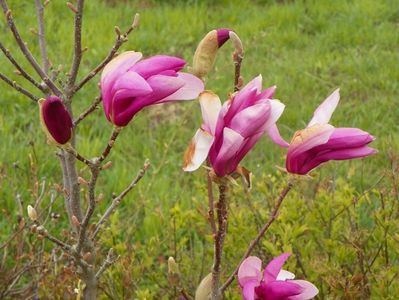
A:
(75, 221)
(173, 272)
(32, 213)
(205, 54)
(204, 289)
(56, 120)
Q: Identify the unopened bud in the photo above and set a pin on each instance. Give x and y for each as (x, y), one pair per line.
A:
(107, 165)
(117, 30)
(32, 213)
(204, 289)
(56, 120)
(136, 21)
(87, 256)
(83, 181)
(205, 54)
(173, 272)
(71, 7)
(33, 228)
(75, 221)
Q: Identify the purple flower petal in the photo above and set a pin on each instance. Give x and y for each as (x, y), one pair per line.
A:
(222, 35)
(274, 267)
(157, 64)
(278, 290)
(309, 291)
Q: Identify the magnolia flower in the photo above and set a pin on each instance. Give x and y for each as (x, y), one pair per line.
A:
(274, 283)
(56, 120)
(228, 132)
(205, 54)
(320, 142)
(128, 84)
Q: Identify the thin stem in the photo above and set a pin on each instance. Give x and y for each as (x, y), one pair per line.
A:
(222, 214)
(237, 73)
(260, 234)
(109, 261)
(42, 37)
(110, 144)
(77, 54)
(90, 210)
(78, 156)
(22, 72)
(88, 111)
(120, 40)
(117, 200)
(211, 209)
(26, 52)
(18, 88)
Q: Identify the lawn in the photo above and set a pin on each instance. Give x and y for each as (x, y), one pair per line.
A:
(341, 223)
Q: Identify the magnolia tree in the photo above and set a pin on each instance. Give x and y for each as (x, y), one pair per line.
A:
(228, 132)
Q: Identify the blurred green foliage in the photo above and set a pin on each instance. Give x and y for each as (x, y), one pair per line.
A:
(341, 224)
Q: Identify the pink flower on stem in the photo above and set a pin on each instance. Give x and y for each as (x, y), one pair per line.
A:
(274, 283)
(128, 84)
(56, 120)
(230, 131)
(320, 142)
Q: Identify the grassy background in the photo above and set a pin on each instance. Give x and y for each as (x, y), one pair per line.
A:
(306, 48)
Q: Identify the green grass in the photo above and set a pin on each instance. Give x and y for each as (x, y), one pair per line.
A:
(306, 48)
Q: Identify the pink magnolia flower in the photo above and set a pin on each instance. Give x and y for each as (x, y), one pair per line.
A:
(274, 283)
(128, 84)
(320, 142)
(230, 131)
(56, 120)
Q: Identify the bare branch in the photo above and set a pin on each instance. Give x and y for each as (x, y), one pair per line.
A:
(78, 156)
(260, 234)
(77, 55)
(8, 54)
(88, 111)
(211, 209)
(110, 144)
(18, 88)
(118, 199)
(110, 260)
(26, 51)
(42, 37)
(120, 39)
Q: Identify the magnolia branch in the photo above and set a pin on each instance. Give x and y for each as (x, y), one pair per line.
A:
(110, 144)
(42, 37)
(222, 213)
(88, 111)
(26, 51)
(116, 201)
(20, 70)
(260, 234)
(211, 209)
(77, 54)
(120, 40)
(109, 261)
(18, 88)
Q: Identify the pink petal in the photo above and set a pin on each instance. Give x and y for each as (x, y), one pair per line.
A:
(248, 290)
(277, 109)
(309, 291)
(222, 35)
(346, 138)
(240, 101)
(284, 275)
(198, 150)
(191, 89)
(250, 270)
(157, 64)
(210, 108)
(268, 93)
(232, 142)
(275, 136)
(274, 267)
(278, 290)
(323, 113)
(251, 120)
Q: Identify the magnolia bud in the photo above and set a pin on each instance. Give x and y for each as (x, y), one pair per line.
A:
(75, 221)
(173, 272)
(32, 213)
(56, 120)
(205, 55)
(83, 181)
(204, 289)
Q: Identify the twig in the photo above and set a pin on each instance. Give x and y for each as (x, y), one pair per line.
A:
(116, 201)
(26, 52)
(120, 39)
(260, 234)
(18, 88)
(110, 144)
(221, 211)
(110, 260)
(88, 111)
(8, 54)
(42, 37)
(211, 209)
(78, 156)
(90, 210)
(77, 54)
